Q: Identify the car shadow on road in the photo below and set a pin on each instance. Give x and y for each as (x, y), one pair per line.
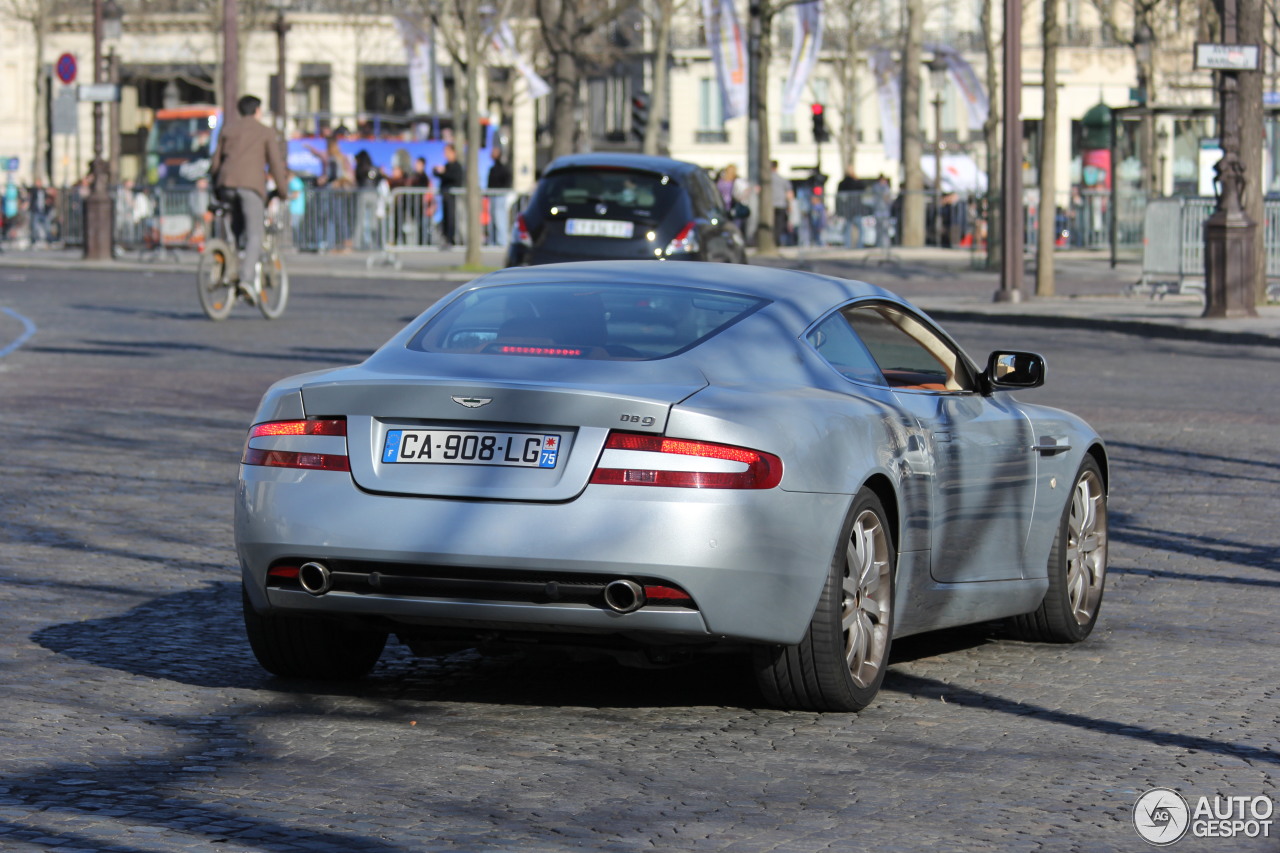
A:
(196, 638)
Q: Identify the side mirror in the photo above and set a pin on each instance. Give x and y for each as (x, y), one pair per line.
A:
(1009, 370)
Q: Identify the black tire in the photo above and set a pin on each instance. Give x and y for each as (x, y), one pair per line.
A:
(299, 647)
(275, 286)
(1077, 566)
(213, 280)
(839, 666)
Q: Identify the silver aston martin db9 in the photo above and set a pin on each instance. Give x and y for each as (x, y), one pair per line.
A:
(654, 460)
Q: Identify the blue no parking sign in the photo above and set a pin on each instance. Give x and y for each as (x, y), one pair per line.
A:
(67, 68)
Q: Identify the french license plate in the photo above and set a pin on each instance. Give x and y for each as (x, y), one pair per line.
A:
(599, 228)
(466, 447)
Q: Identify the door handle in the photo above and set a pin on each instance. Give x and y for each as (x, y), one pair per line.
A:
(1048, 445)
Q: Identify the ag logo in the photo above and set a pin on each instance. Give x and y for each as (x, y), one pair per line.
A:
(1161, 816)
(472, 402)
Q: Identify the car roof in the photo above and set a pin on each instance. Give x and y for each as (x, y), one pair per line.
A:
(808, 293)
(639, 162)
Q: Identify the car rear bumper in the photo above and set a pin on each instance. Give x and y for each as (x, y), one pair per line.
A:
(753, 561)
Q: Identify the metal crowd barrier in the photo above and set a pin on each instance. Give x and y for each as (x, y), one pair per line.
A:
(1173, 245)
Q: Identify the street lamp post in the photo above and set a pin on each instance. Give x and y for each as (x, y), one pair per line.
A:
(937, 79)
(281, 92)
(1230, 235)
(1011, 258)
(98, 236)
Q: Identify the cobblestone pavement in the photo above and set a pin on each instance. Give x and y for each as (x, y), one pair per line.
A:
(133, 717)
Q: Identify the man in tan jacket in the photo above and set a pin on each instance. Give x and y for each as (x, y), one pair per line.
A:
(246, 149)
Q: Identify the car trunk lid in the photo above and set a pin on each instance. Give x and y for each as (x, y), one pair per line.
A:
(478, 436)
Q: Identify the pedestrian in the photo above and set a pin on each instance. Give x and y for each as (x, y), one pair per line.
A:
(849, 206)
(297, 209)
(499, 185)
(367, 178)
(881, 209)
(247, 148)
(784, 197)
(733, 192)
(39, 210)
(452, 176)
(337, 181)
(422, 210)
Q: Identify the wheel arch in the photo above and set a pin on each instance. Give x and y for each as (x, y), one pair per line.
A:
(882, 487)
(1099, 454)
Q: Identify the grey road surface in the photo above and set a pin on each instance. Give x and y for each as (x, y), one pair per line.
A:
(133, 717)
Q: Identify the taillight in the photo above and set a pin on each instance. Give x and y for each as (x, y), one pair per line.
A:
(520, 231)
(295, 458)
(686, 242)
(632, 459)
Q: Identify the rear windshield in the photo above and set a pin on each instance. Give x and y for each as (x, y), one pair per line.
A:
(608, 322)
(623, 193)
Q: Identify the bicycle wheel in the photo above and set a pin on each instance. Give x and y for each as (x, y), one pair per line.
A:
(217, 292)
(275, 286)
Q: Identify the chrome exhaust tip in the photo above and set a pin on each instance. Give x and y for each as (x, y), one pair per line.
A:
(624, 596)
(315, 578)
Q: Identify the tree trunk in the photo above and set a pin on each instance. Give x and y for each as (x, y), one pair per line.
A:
(912, 145)
(1253, 138)
(991, 133)
(564, 108)
(1046, 239)
(39, 158)
(658, 97)
(766, 239)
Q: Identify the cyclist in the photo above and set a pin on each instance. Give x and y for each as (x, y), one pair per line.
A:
(246, 150)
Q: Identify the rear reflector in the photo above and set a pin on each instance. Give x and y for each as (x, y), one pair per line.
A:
(286, 572)
(637, 465)
(290, 459)
(663, 593)
(293, 458)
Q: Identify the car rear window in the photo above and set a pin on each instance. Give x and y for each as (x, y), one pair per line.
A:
(616, 322)
(623, 192)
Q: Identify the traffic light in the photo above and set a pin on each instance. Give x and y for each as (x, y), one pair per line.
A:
(820, 133)
(639, 113)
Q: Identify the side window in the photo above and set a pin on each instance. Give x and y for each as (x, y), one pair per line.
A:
(908, 353)
(836, 342)
(704, 195)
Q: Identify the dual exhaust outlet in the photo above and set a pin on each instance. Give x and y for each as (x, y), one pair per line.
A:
(620, 596)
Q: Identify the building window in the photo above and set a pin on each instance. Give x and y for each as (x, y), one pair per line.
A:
(710, 113)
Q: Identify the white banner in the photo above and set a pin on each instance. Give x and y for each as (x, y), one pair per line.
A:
(504, 41)
(729, 52)
(426, 82)
(967, 84)
(806, 41)
(888, 89)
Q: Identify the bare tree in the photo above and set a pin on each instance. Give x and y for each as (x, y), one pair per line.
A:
(1046, 239)
(572, 35)
(765, 11)
(1143, 26)
(464, 28)
(661, 14)
(846, 37)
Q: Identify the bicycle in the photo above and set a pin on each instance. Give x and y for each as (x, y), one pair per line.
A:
(219, 270)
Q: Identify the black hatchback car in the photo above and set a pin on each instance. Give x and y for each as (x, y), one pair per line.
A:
(590, 207)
